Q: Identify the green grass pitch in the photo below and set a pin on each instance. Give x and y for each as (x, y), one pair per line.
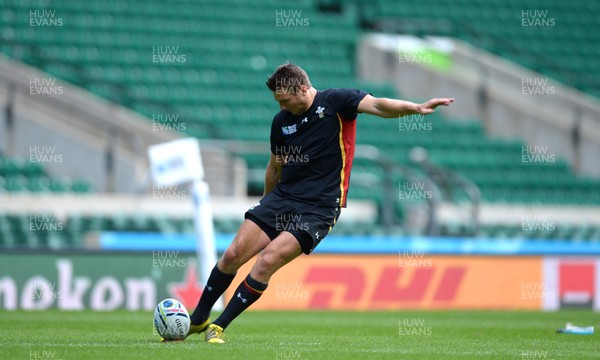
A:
(304, 335)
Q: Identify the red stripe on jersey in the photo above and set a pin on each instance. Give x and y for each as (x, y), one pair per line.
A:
(347, 145)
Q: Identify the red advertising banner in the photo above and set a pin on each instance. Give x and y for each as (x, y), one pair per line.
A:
(574, 282)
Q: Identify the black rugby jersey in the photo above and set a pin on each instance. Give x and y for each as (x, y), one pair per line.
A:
(316, 148)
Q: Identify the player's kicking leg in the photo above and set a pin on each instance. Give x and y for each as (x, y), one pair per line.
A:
(283, 249)
(248, 242)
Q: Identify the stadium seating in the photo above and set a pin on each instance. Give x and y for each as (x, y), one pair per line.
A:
(224, 50)
(46, 231)
(549, 37)
(17, 175)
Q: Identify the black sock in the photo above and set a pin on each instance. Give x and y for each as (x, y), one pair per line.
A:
(216, 285)
(245, 295)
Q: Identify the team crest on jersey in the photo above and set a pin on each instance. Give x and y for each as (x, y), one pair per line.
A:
(319, 111)
(288, 130)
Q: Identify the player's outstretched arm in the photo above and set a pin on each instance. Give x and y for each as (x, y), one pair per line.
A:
(273, 174)
(392, 108)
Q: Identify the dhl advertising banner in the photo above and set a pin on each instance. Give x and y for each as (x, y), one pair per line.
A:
(137, 281)
(404, 281)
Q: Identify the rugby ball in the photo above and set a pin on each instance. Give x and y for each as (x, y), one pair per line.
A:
(171, 320)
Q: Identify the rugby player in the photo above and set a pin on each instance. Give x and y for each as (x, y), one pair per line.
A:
(306, 184)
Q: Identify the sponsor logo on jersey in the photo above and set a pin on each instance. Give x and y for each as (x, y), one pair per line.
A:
(288, 130)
